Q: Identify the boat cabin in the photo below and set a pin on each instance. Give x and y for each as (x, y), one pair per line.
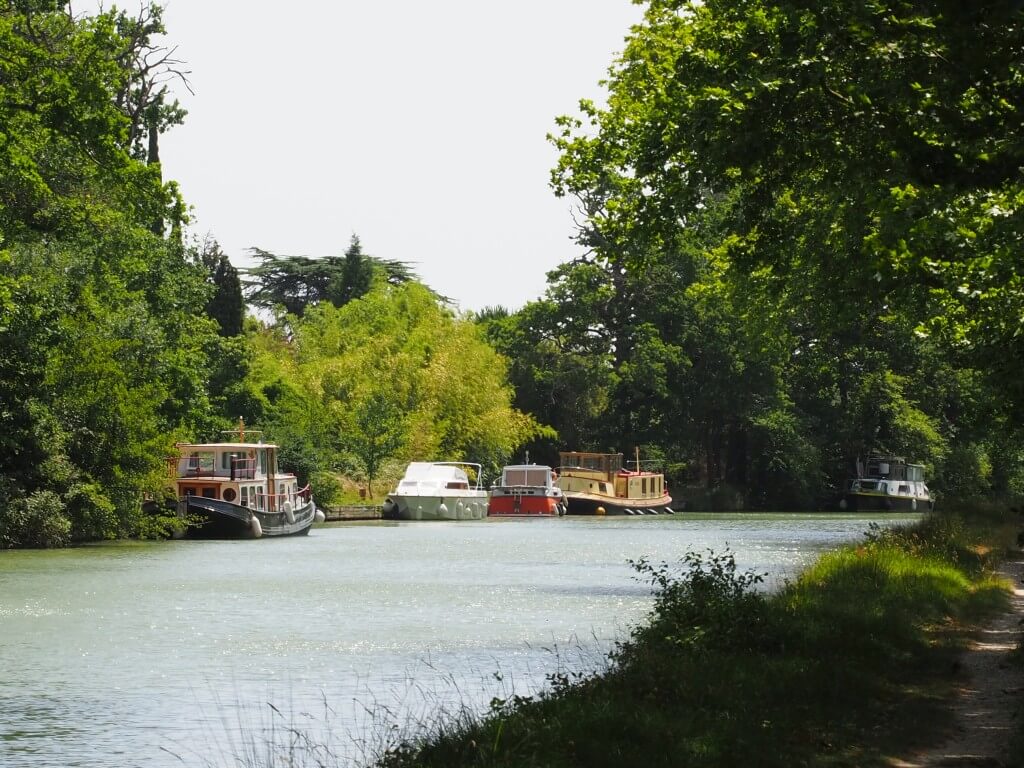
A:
(526, 476)
(887, 482)
(604, 474)
(245, 474)
(425, 478)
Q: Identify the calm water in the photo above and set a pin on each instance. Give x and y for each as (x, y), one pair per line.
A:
(172, 653)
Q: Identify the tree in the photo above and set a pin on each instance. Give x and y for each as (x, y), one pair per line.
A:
(871, 148)
(102, 315)
(356, 276)
(299, 282)
(376, 432)
(391, 376)
(226, 305)
(844, 171)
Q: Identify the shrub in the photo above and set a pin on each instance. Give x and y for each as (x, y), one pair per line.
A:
(37, 520)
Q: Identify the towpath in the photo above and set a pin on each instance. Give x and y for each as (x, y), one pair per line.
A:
(988, 706)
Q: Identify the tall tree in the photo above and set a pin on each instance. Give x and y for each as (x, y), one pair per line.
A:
(226, 304)
(861, 158)
(356, 276)
(109, 312)
(299, 282)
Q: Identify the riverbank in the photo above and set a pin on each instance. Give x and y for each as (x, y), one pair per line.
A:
(853, 663)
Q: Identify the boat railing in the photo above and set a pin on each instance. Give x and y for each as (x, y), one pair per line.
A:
(243, 469)
(279, 498)
(200, 466)
(477, 470)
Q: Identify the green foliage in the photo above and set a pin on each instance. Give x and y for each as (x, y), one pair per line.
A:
(101, 316)
(375, 430)
(798, 224)
(226, 305)
(326, 488)
(37, 520)
(296, 283)
(711, 605)
(392, 375)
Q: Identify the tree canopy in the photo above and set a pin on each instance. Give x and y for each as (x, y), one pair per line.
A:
(297, 282)
(802, 224)
(101, 317)
(391, 376)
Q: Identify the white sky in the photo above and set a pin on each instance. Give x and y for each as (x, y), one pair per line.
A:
(419, 126)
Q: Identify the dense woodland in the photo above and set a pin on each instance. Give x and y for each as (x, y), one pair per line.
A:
(801, 236)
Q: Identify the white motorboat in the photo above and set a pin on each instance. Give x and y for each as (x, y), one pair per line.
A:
(438, 490)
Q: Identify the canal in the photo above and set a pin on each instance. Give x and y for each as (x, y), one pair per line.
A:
(201, 652)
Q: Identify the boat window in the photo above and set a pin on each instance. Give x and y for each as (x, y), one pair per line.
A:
(643, 486)
(904, 489)
(200, 463)
(515, 477)
(259, 498)
(536, 476)
(244, 499)
(209, 493)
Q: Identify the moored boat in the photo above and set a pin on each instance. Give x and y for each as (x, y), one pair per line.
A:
(235, 489)
(599, 484)
(438, 490)
(887, 483)
(526, 490)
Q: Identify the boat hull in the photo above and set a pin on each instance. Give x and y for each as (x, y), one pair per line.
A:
(525, 502)
(469, 506)
(881, 502)
(215, 519)
(596, 504)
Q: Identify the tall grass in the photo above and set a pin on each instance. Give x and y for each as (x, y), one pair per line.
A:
(846, 665)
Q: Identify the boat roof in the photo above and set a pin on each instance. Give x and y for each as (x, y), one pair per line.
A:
(526, 466)
(421, 470)
(223, 446)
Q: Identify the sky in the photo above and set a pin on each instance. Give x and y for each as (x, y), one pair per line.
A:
(418, 126)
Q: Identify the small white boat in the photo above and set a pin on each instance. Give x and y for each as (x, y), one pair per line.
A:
(887, 483)
(438, 490)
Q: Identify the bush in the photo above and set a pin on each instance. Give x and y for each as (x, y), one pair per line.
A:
(326, 488)
(37, 520)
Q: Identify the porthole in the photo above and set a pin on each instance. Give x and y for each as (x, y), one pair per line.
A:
(229, 494)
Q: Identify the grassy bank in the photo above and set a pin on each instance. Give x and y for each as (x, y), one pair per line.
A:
(845, 666)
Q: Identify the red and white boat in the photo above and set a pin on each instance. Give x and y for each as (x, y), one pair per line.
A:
(526, 490)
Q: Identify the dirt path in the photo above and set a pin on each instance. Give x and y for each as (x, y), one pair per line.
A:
(988, 705)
